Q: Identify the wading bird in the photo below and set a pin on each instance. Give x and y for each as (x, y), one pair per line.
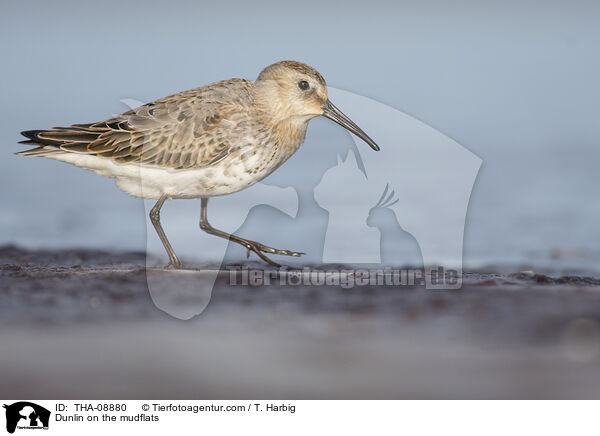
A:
(209, 141)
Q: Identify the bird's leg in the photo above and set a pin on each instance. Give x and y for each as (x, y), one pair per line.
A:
(257, 247)
(155, 218)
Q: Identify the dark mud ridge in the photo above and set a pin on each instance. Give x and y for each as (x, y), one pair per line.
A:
(67, 285)
(91, 316)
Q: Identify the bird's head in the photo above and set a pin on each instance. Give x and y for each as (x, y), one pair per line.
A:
(296, 92)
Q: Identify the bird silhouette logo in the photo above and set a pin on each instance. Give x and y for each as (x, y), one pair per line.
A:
(431, 176)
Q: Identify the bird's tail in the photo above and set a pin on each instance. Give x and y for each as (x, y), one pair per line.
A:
(66, 139)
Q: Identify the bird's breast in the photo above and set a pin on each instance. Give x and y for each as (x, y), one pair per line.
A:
(269, 147)
(255, 154)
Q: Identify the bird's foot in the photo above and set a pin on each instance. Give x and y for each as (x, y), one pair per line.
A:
(259, 249)
(271, 250)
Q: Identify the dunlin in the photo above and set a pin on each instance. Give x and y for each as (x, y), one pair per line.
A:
(205, 142)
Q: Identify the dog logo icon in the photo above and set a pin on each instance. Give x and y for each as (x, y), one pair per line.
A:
(26, 415)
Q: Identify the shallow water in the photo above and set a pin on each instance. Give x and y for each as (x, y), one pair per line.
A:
(525, 103)
(529, 213)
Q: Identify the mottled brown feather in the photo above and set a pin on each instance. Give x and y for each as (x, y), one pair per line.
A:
(191, 129)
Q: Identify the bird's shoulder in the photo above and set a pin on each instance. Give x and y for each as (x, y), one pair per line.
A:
(217, 98)
(231, 92)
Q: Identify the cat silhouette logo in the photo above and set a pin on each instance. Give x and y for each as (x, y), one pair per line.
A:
(26, 415)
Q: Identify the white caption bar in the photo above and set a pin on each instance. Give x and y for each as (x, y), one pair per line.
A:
(248, 417)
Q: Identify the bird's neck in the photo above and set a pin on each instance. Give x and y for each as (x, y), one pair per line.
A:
(291, 131)
(278, 116)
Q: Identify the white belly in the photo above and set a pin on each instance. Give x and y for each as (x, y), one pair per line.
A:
(154, 182)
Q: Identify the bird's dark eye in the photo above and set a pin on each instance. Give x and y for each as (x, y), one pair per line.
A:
(303, 85)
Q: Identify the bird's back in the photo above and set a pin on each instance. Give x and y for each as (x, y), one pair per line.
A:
(190, 129)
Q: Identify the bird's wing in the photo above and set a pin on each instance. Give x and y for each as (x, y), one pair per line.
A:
(191, 129)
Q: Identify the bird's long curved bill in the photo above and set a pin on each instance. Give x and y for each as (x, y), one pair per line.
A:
(333, 113)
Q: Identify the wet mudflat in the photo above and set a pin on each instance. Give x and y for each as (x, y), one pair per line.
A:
(82, 324)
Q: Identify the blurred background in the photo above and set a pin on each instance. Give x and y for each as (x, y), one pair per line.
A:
(515, 82)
